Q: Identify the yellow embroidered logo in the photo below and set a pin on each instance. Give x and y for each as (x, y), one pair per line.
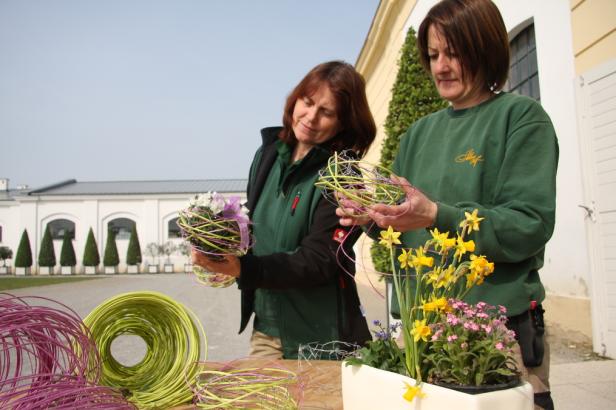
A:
(470, 156)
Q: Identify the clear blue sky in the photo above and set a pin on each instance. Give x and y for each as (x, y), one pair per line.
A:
(156, 89)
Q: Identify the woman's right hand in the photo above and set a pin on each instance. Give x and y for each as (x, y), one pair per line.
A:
(349, 215)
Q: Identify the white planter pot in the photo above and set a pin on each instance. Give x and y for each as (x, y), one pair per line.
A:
(188, 267)
(89, 270)
(22, 271)
(152, 268)
(365, 387)
(168, 268)
(5, 270)
(132, 269)
(110, 270)
(45, 270)
(66, 270)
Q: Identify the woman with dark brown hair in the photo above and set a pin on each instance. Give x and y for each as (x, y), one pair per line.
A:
(491, 151)
(299, 291)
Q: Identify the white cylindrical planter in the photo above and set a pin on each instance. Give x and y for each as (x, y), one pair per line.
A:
(152, 268)
(168, 268)
(367, 388)
(89, 270)
(110, 270)
(22, 271)
(132, 269)
(45, 270)
(67, 270)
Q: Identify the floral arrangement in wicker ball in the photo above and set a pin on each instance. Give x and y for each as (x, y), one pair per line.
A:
(216, 226)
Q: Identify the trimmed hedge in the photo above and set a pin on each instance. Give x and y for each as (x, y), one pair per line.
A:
(47, 254)
(133, 253)
(67, 254)
(23, 259)
(413, 97)
(91, 257)
(111, 257)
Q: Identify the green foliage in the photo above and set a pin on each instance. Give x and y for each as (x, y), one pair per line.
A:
(382, 353)
(5, 253)
(91, 256)
(111, 258)
(413, 97)
(67, 254)
(133, 253)
(23, 259)
(47, 254)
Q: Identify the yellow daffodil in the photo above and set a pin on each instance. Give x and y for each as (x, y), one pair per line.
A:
(404, 259)
(462, 247)
(471, 221)
(481, 266)
(440, 277)
(420, 330)
(419, 259)
(435, 305)
(443, 241)
(412, 392)
(390, 237)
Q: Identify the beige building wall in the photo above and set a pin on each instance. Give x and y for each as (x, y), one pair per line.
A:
(378, 62)
(593, 23)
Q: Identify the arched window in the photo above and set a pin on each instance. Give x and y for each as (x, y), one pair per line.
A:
(173, 230)
(523, 74)
(122, 227)
(58, 227)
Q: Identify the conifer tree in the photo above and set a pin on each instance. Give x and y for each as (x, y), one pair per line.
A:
(133, 253)
(413, 96)
(23, 258)
(47, 254)
(91, 257)
(111, 258)
(67, 253)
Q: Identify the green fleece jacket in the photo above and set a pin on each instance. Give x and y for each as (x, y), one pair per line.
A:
(499, 157)
(297, 279)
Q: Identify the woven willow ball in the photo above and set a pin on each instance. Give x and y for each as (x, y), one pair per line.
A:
(364, 183)
(213, 236)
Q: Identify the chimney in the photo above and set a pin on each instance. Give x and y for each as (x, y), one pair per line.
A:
(4, 184)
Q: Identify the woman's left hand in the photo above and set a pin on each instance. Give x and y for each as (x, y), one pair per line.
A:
(416, 212)
(230, 265)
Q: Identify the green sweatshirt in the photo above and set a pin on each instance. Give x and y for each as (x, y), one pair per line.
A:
(499, 157)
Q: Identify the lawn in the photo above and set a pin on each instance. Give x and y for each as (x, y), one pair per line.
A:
(12, 282)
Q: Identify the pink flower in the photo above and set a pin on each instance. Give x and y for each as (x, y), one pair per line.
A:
(500, 346)
(451, 338)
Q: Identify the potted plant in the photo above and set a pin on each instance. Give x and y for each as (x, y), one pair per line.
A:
(111, 260)
(23, 259)
(167, 249)
(68, 260)
(47, 254)
(5, 253)
(133, 253)
(448, 345)
(153, 250)
(91, 257)
(184, 248)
